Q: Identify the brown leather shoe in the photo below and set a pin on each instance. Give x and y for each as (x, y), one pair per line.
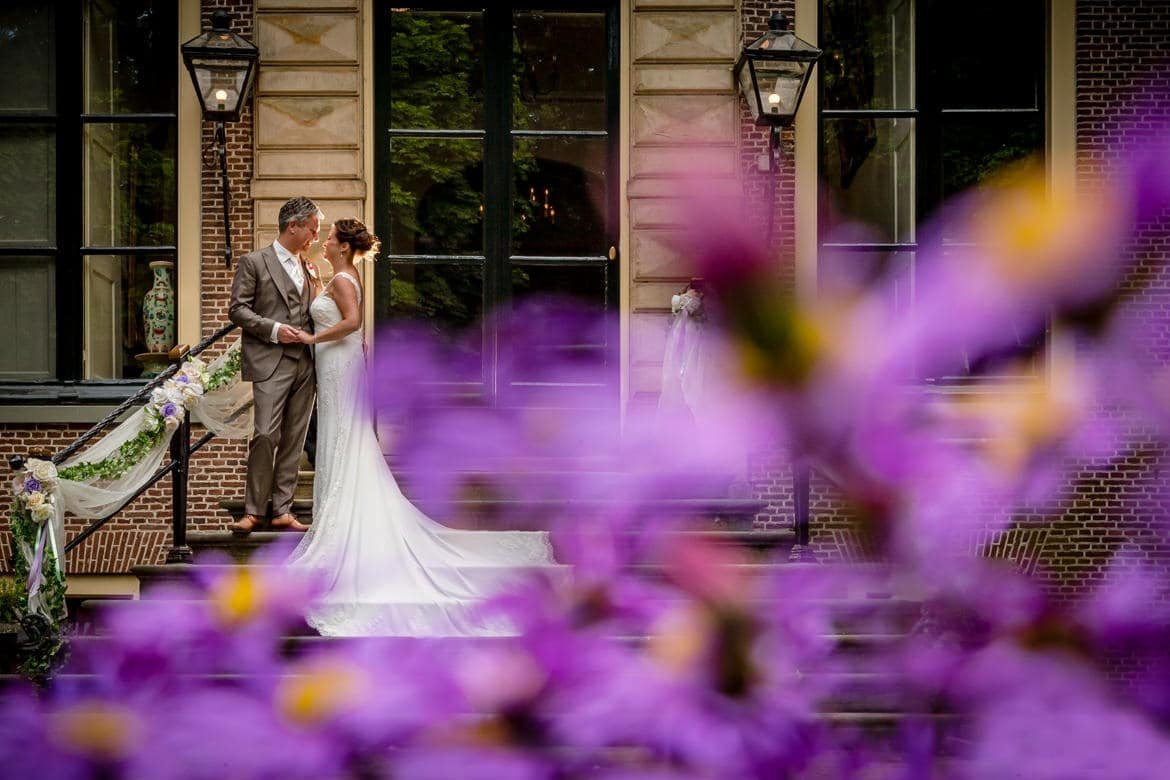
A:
(246, 525)
(288, 522)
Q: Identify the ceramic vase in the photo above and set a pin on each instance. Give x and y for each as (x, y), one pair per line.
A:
(158, 309)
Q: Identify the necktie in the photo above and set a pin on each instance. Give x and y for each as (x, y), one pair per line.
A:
(294, 271)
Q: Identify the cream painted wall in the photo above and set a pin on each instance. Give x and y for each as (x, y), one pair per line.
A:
(188, 294)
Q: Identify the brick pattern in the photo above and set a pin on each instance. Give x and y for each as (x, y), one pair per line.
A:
(754, 143)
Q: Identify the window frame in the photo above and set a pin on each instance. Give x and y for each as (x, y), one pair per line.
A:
(929, 113)
(68, 249)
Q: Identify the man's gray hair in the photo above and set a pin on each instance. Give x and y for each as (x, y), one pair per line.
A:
(298, 210)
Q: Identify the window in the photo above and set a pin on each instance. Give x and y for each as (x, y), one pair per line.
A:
(497, 176)
(920, 99)
(87, 186)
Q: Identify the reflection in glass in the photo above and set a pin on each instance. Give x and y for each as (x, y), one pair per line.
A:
(559, 71)
(28, 318)
(560, 196)
(842, 272)
(869, 168)
(28, 173)
(130, 56)
(988, 63)
(436, 69)
(436, 196)
(113, 290)
(129, 178)
(975, 148)
(869, 53)
(447, 299)
(27, 47)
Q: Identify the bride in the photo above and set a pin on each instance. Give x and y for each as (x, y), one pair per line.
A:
(386, 568)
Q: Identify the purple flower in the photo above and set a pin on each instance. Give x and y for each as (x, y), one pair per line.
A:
(169, 409)
(182, 379)
(32, 485)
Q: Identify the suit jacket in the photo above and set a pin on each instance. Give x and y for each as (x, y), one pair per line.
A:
(262, 295)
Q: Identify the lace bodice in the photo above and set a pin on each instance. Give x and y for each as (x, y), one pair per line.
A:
(324, 309)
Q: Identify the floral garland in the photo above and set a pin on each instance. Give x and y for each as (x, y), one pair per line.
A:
(35, 565)
(35, 504)
(168, 405)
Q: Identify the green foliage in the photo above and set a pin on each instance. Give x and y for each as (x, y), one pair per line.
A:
(12, 601)
(115, 466)
(40, 641)
(225, 374)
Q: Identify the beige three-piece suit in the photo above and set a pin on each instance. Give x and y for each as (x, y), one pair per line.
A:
(283, 383)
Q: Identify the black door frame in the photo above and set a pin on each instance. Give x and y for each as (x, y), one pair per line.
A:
(498, 136)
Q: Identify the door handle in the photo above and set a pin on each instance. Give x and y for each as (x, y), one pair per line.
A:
(612, 253)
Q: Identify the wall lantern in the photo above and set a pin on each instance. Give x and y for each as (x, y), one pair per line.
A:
(222, 67)
(771, 74)
(773, 71)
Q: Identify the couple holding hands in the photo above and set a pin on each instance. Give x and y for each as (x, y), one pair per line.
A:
(385, 568)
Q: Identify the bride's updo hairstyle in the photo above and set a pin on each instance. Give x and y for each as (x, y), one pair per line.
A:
(361, 241)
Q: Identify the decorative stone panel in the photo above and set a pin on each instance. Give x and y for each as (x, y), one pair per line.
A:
(684, 121)
(685, 36)
(309, 127)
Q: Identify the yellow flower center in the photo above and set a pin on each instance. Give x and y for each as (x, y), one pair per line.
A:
(100, 730)
(680, 637)
(237, 597)
(320, 692)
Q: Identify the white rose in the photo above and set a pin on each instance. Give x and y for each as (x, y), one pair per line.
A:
(675, 303)
(44, 471)
(34, 500)
(192, 393)
(171, 422)
(42, 513)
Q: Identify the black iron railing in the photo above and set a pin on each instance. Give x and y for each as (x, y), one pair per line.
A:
(181, 451)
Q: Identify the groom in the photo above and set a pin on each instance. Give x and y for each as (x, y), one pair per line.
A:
(270, 302)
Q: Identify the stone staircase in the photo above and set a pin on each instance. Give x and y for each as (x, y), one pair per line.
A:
(865, 625)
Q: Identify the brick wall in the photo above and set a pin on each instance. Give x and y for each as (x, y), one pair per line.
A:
(1123, 80)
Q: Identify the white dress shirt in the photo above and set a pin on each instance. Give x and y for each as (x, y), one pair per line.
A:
(292, 266)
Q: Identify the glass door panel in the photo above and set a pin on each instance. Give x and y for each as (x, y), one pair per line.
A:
(496, 161)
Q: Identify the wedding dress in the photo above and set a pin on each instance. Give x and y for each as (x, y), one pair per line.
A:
(387, 569)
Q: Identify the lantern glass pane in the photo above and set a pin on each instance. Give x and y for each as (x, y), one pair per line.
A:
(748, 90)
(221, 82)
(780, 84)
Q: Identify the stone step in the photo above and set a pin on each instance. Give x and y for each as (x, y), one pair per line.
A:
(543, 477)
(756, 542)
(500, 514)
(151, 576)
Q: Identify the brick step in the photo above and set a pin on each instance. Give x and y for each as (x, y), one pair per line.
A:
(488, 513)
(756, 542)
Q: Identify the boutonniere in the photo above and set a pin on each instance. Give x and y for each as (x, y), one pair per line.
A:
(312, 269)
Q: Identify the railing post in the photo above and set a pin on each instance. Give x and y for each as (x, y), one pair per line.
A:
(180, 454)
(801, 488)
